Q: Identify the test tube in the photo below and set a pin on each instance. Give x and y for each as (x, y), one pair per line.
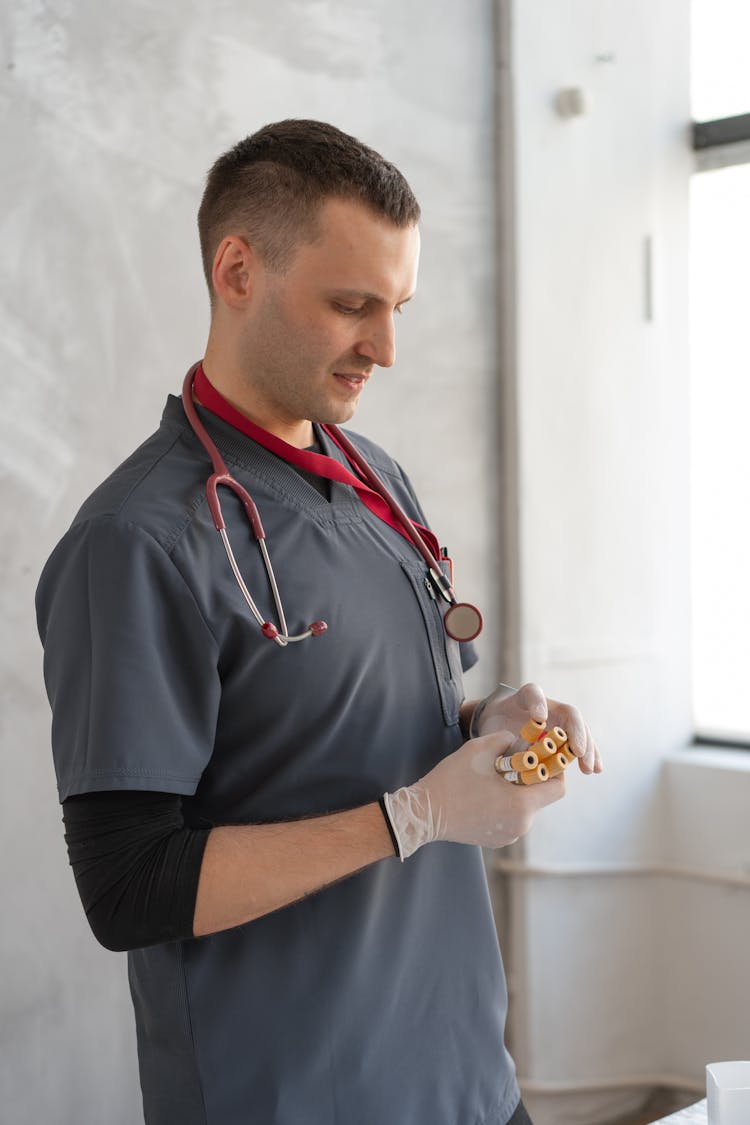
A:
(557, 763)
(523, 760)
(527, 777)
(532, 730)
(545, 748)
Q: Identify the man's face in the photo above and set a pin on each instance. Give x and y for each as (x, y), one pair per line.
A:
(314, 334)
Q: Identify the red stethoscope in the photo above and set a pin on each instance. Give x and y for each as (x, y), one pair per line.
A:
(462, 621)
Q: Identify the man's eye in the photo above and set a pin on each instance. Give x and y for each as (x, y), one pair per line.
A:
(347, 310)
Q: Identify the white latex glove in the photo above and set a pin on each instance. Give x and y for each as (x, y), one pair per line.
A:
(465, 800)
(508, 708)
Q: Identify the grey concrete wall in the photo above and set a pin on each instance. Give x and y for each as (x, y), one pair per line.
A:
(111, 114)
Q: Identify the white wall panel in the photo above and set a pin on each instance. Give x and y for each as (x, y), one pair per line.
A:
(602, 499)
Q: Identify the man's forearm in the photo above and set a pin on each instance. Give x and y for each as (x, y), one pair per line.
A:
(251, 870)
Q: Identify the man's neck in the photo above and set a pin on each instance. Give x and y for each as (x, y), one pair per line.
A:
(225, 377)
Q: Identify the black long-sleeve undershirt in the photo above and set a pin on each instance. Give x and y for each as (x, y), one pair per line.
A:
(136, 865)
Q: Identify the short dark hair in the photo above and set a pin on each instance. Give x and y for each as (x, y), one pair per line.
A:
(270, 187)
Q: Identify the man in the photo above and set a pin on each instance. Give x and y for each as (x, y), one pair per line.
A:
(236, 806)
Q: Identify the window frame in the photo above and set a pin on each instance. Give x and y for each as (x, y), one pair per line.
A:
(722, 142)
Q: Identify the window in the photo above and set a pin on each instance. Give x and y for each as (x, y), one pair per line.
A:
(720, 71)
(720, 379)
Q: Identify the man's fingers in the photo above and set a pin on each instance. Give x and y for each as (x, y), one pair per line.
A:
(530, 701)
(571, 720)
(587, 762)
(533, 701)
(547, 792)
(498, 741)
(580, 739)
(486, 750)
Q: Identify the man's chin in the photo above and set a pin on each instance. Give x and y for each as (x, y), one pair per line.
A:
(338, 415)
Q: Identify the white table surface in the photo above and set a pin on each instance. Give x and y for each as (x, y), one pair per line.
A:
(694, 1115)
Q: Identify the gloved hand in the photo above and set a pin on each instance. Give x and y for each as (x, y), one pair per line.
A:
(508, 708)
(465, 800)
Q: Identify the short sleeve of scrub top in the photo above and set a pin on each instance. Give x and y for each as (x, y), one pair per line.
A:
(124, 639)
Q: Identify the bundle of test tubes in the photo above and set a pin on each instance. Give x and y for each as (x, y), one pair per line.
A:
(546, 755)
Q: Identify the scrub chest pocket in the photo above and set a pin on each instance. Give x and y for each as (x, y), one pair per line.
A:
(445, 652)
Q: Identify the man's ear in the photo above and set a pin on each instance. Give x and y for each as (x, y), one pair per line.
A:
(233, 271)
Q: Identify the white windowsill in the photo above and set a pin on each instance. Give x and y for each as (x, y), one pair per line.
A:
(712, 757)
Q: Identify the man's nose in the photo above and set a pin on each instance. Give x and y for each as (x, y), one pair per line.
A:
(379, 343)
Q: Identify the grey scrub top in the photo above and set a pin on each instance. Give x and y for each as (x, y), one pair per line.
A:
(380, 1000)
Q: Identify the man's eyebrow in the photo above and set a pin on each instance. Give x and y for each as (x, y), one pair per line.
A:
(364, 295)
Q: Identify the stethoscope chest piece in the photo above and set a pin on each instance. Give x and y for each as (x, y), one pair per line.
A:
(463, 622)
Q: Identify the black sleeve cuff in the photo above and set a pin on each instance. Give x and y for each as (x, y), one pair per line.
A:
(389, 826)
(136, 866)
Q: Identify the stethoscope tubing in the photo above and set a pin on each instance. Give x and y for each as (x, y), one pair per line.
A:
(221, 476)
(458, 611)
(379, 486)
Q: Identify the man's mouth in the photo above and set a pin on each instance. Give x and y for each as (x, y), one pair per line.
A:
(352, 380)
